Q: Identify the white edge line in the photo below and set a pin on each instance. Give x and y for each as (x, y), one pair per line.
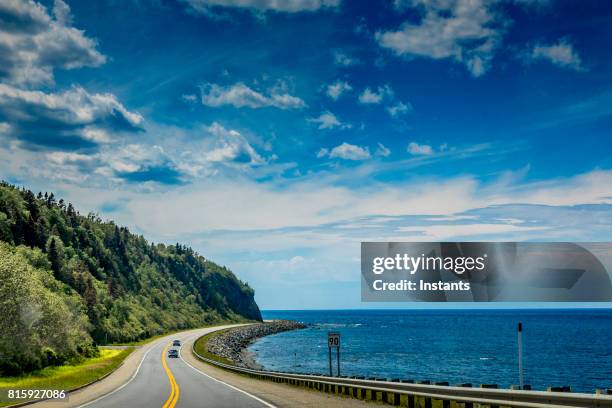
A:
(267, 404)
(122, 385)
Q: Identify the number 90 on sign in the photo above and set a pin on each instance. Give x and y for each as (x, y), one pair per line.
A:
(333, 339)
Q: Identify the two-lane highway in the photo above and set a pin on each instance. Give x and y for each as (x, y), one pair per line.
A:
(172, 382)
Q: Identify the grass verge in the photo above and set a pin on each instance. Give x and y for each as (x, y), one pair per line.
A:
(200, 347)
(65, 377)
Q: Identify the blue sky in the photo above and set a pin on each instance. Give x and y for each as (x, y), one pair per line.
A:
(273, 136)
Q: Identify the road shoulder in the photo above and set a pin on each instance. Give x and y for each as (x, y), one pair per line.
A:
(118, 378)
(280, 395)
(106, 385)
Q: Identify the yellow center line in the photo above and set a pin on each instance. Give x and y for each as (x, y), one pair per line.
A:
(174, 393)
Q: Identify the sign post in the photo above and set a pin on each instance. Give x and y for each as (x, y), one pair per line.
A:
(330, 367)
(333, 340)
(338, 359)
(520, 354)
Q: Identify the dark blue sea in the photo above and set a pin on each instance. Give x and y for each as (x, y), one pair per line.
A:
(561, 347)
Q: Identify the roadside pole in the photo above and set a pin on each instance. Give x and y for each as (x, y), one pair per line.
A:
(520, 354)
(338, 358)
(330, 366)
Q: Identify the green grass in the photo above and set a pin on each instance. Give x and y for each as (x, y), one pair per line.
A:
(200, 347)
(65, 377)
(71, 376)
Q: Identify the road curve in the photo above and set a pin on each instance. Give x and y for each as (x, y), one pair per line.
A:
(171, 382)
(159, 381)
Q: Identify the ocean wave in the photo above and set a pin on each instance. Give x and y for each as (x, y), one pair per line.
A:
(337, 325)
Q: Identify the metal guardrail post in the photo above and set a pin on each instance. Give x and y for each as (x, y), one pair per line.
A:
(494, 386)
(427, 400)
(467, 385)
(410, 402)
(565, 388)
(445, 402)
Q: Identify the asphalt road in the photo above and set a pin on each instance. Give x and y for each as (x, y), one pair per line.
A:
(172, 382)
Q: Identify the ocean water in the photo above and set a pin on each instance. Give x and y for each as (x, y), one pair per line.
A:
(561, 347)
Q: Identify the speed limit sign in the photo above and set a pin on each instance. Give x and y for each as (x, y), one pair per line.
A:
(333, 339)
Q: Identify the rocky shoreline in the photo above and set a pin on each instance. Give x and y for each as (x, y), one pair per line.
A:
(232, 343)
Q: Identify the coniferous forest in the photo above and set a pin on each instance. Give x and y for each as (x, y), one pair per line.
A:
(70, 281)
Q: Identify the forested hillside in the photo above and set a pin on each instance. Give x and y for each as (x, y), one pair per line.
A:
(68, 281)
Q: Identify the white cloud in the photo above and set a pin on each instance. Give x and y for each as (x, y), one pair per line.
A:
(382, 151)
(317, 218)
(561, 54)
(466, 31)
(336, 89)
(240, 95)
(420, 149)
(442, 232)
(213, 204)
(115, 164)
(36, 116)
(189, 98)
(68, 157)
(375, 97)
(343, 59)
(75, 106)
(230, 145)
(296, 260)
(328, 120)
(5, 128)
(322, 153)
(135, 157)
(286, 6)
(61, 11)
(398, 109)
(96, 135)
(346, 151)
(220, 150)
(202, 152)
(288, 272)
(33, 43)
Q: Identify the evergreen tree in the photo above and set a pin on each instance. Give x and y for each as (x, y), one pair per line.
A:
(125, 287)
(54, 257)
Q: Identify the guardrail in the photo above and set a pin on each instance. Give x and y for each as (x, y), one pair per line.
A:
(424, 395)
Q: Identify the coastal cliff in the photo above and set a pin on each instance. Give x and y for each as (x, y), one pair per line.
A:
(83, 281)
